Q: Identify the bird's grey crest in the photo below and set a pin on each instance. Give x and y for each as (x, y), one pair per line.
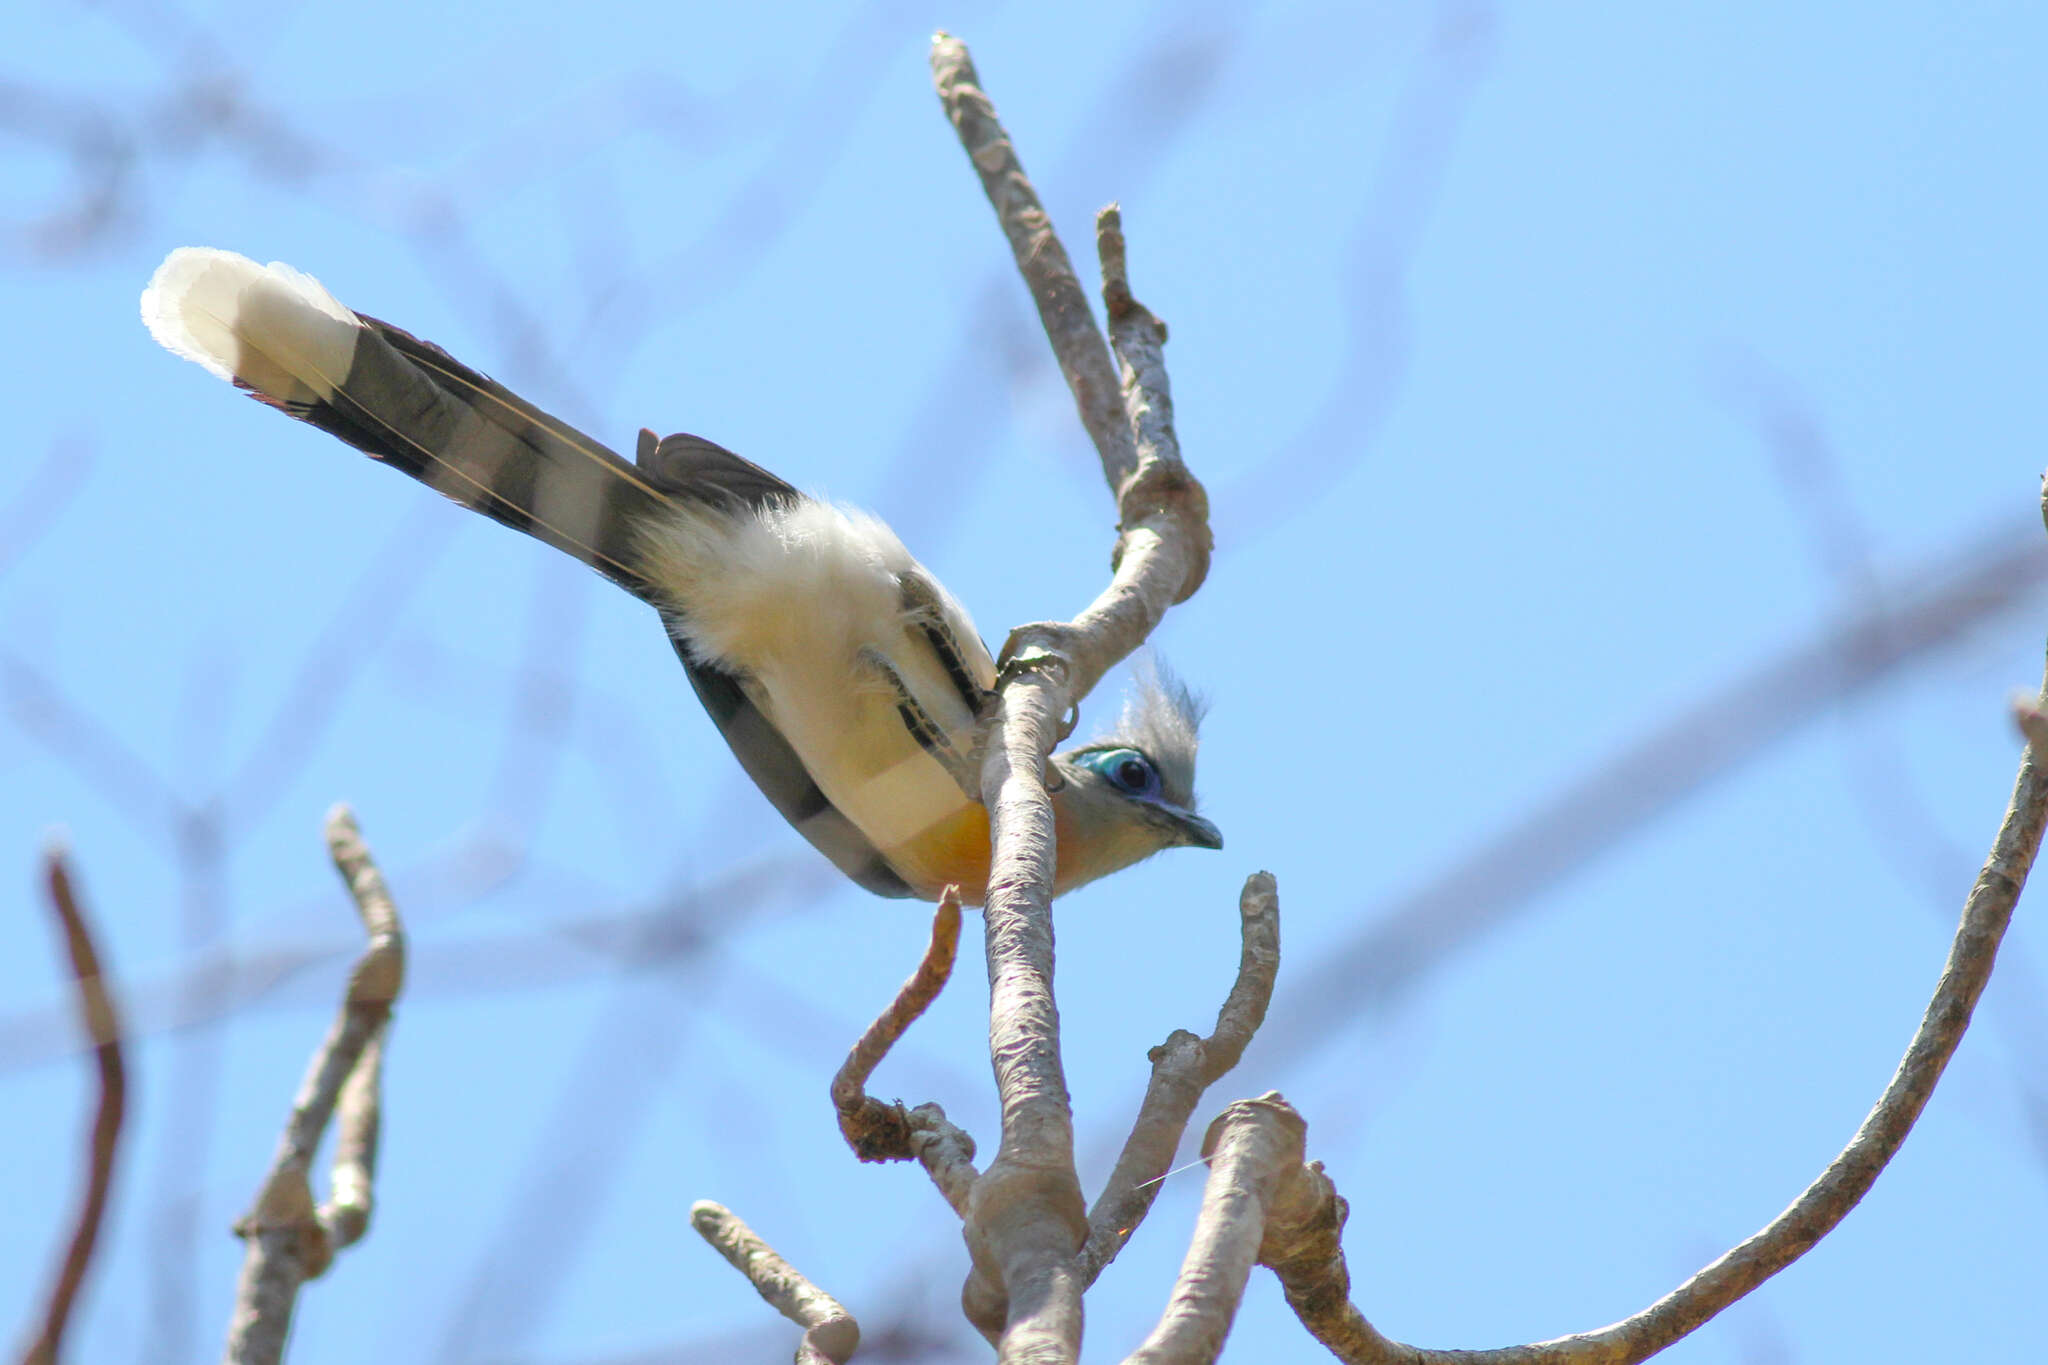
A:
(1162, 717)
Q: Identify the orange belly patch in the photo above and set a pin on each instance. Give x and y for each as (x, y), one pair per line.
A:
(954, 850)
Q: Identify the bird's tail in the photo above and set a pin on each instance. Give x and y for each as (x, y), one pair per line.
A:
(279, 334)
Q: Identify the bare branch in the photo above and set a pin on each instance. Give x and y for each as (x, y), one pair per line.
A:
(1304, 1248)
(1026, 1218)
(352, 1179)
(946, 1152)
(1311, 1266)
(1041, 259)
(101, 1023)
(289, 1240)
(2032, 720)
(890, 1132)
(1163, 541)
(1183, 1067)
(380, 973)
(374, 985)
(1161, 486)
(1251, 1147)
(877, 1131)
(1026, 1215)
(830, 1333)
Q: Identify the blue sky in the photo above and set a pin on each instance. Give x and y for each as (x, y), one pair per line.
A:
(1553, 370)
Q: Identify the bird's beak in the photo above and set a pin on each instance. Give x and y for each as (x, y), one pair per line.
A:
(1196, 832)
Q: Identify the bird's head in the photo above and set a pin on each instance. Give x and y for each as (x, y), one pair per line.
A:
(1131, 793)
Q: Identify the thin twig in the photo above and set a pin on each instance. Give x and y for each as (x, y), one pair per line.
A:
(879, 1131)
(101, 1023)
(1161, 486)
(289, 1240)
(1251, 1148)
(374, 986)
(830, 1333)
(1183, 1067)
(1048, 272)
(1311, 1266)
(1163, 539)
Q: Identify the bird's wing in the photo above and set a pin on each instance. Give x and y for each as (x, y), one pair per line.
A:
(691, 467)
(785, 781)
(704, 471)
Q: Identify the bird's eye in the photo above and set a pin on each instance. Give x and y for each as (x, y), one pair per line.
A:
(1125, 769)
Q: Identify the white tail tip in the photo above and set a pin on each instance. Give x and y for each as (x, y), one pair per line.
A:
(262, 325)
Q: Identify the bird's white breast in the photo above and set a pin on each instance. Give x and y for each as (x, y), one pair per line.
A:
(803, 599)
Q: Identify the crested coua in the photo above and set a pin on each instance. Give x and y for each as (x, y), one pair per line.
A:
(846, 679)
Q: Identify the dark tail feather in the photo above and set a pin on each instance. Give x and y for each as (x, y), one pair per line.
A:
(410, 404)
(283, 338)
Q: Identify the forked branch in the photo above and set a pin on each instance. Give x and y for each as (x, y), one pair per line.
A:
(1303, 1244)
(1026, 1219)
(289, 1240)
(1183, 1069)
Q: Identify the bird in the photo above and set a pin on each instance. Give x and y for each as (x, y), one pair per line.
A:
(848, 682)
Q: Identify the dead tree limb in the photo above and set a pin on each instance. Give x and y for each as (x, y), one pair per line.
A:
(1252, 1148)
(879, 1131)
(1303, 1246)
(830, 1333)
(1183, 1068)
(288, 1239)
(1026, 1217)
(101, 1023)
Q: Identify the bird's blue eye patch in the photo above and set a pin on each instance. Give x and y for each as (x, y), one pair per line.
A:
(1125, 769)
